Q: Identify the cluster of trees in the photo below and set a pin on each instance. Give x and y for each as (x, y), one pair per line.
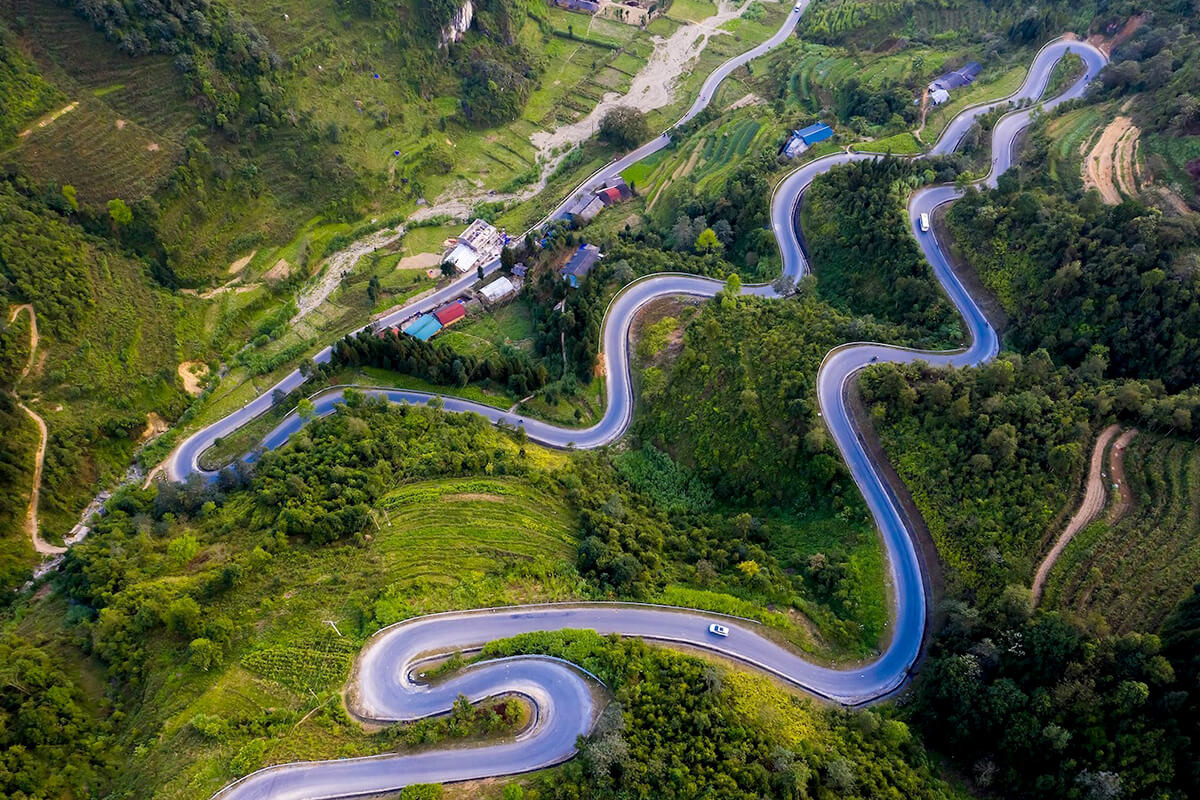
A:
(50, 746)
(16, 474)
(510, 368)
(746, 361)
(736, 209)
(889, 105)
(724, 738)
(625, 126)
(229, 63)
(1086, 281)
(43, 260)
(989, 455)
(569, 340)
(1036, 708)
(1160, 67)
(865, 258)
(494, 90)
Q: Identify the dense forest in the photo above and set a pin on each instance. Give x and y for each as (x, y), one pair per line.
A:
(755, 437)
(1087, 281)
(864, 256)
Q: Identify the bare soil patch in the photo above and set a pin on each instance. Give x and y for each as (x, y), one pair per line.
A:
(466, 497)
(279, 271)
(155, 425)
(240, 264)
(420, 261)
(1113, 155)
(192, 373)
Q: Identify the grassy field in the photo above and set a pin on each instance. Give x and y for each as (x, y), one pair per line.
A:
(1131, 573)
(898, 144)
(691, 10)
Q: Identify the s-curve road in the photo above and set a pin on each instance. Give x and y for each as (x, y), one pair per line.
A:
(185, 459)
(384, 687)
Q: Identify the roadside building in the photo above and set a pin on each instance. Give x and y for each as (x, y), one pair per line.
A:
(939, 96)
(500, 289)
(450, 314)
(956, 79)
(580, 264)
(589, 211)
(805, 138)
(479, 244)
(424, 327)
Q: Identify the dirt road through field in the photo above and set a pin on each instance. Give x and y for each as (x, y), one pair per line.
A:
(31, 515)
(1094, 497)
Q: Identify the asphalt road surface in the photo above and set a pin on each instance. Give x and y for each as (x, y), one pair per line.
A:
(385, 688)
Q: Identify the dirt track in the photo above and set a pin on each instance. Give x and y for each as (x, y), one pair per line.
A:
(31, 515)
(1094, 498)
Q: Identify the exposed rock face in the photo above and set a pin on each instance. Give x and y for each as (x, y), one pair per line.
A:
(454, 30)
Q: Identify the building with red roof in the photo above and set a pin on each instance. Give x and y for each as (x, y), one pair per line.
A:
(451, 313)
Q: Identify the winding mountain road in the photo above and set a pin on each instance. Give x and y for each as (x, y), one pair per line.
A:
(384, 687)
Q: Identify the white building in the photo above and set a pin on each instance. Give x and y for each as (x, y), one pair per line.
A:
(479, 244)
(498, 289)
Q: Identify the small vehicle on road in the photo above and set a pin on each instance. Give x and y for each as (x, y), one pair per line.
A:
(874, 359)
(797, 7)
(924, 223)
(718, 630)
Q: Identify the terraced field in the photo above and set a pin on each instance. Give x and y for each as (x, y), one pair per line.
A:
(127, 131)
(1132, 571)
(434, 533)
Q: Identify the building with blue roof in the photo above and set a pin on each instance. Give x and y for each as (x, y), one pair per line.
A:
(423, 328)
(817, 132)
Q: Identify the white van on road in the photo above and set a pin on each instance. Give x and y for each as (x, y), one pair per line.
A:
(924, 223)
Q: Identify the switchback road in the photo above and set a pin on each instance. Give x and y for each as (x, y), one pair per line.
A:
(384, 687)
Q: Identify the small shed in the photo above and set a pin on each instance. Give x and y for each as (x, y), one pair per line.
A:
(450, 314)
(581, 264)
(939, 96)
(519, 269)
(423, 328)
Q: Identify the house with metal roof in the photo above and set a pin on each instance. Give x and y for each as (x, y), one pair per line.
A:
(498, 289)
(450, 314)
(817, 132)
(423, 328)
(580, 264)
(957, 79)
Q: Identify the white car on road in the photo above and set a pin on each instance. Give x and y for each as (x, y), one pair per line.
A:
(718, 630)
(924, 223)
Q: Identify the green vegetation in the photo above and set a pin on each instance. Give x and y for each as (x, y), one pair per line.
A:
(989, 455)
(108, 336)
(24, 94)
(1034, 708)
(899, 144)
(857, 211)
(16, 475)
(1128, 574)
(1087, 281)
(757, 739)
